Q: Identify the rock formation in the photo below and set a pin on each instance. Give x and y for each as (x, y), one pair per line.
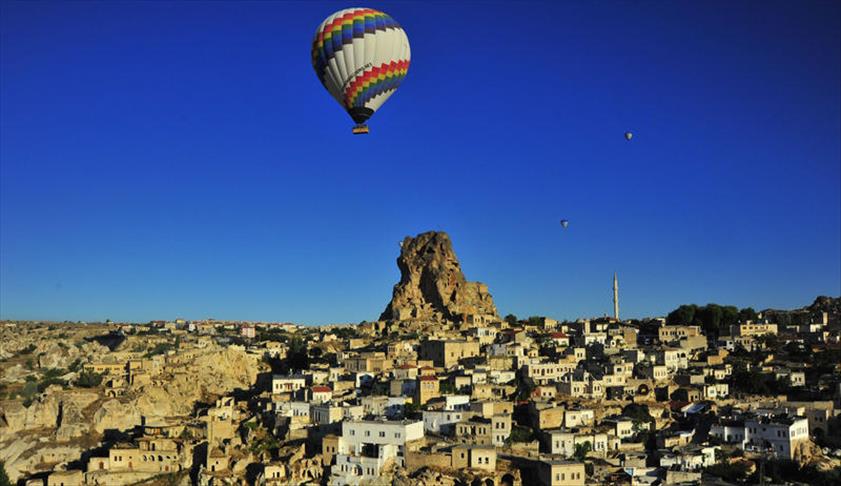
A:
(59, 423)
(432, 286)
(811, 313)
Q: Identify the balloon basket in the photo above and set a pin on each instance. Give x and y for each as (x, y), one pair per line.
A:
(360, 129)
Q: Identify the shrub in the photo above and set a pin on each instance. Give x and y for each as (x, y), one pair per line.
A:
(737, 471)
(89, 379)
(581, 451)
(4, 478)
(521, 434)
(28, 350)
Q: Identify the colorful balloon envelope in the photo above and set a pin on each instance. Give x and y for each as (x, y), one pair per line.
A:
(564, 223)
(361, 56)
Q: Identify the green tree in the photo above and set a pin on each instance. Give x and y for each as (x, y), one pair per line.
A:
(747, 314)
(160, 348)
(520, 434)
(446, 387)
(735, 472)
(729, 316)
(346, 332)
(581, 451)
(511, 319)
(297, 357)
(710, 316)
(683, 315)
(89, 379)
(410, 409)
(640, 415)
(4, 478)
(831, 436)
(525, 387)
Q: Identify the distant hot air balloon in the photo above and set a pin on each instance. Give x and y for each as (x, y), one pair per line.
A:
(564, 223)
(360, 55)
(629, 135)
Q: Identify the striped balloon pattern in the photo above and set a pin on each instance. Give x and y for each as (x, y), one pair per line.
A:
(360, 55)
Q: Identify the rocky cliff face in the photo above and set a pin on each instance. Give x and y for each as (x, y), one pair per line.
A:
(62, 422)
(432, 286)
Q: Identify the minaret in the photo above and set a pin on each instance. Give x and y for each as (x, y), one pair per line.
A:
(615, 297)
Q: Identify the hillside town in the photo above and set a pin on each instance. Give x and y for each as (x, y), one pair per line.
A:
(439, 390)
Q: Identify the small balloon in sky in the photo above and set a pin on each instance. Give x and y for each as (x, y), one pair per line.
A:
(629, 136)
(564, 223)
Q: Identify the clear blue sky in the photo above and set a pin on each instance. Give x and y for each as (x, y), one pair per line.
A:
(166, 159)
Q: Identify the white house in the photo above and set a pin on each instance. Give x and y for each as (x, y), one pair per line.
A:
(366, 445)
(441, 421)
(288, 383)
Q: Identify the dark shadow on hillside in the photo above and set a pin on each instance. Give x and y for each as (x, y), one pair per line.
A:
(112, 340)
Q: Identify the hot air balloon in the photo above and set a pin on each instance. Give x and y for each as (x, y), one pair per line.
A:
(564, 223)
(361, 56)
(629, 136)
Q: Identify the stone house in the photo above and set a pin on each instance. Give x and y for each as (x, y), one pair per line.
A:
(288, 383)
(222, 420)
(320, 394)
(447, 353)
(217, 459)
(623, 427)
(326, 413)
(474, 457)
(579, 417)
(546, 415)
(561, 473)
(366, 446)
(426, 389)
(66, 478)
(405, 372)
(442, 421)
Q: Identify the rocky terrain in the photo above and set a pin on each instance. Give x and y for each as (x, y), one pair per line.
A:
(46, 421)
(830, 305)
(432, 285)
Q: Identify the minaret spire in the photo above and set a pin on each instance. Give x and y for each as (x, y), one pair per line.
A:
(615, 297)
